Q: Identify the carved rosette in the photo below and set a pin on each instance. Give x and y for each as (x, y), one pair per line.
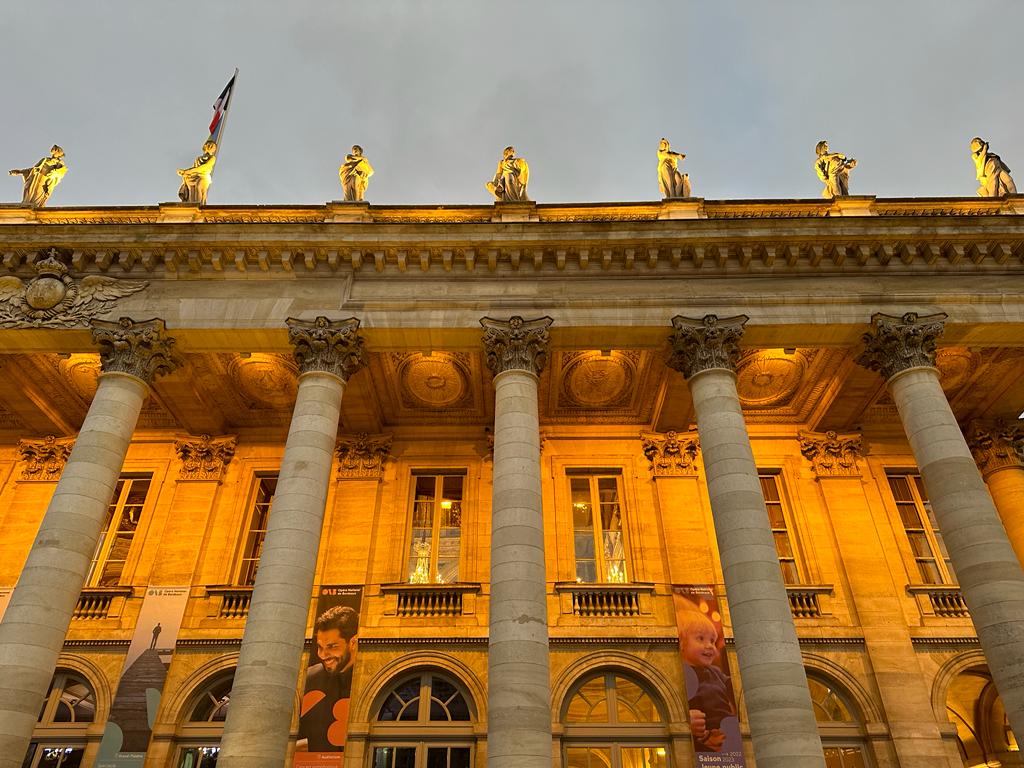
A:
(831, 454)
(330, 346)
(898, 344)
(44, 459)
(996, 444)
(516, 344)
(141, 349)
(204, 457)
(671, 454)
(362, 456)
(705, 344)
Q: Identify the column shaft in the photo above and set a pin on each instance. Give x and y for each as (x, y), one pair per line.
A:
(1007, 488)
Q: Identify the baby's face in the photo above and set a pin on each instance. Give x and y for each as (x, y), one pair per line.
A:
(699, 647)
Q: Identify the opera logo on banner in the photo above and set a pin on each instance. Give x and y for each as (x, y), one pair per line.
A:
(714, 726)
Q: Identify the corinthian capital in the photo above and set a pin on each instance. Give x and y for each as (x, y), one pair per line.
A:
(516, 344)
(996, 444)
(899, 343)
(204, 457)
(44, 459)
(331, 346)
(141, 349)
(671, 454)
(700, 345)
(832, 455)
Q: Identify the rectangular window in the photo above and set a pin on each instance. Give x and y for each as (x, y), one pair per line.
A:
(262, 500)
(772, 491)
(926, 544)
(115, 541)
(436, 540)
(597, 528)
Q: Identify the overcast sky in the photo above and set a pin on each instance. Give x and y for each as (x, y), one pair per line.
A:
(584, 89)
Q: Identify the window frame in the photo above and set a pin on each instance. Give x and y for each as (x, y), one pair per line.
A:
(939, 554)
(105, 542)
(251, 502)
(785, 503)
(200, 734)
(51, 734)
(594, 475)
(438, 473)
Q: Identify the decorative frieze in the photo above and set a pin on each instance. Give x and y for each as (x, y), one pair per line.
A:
(897, 344)
(330, 346)
(516, 344)
(831, 454)
(44, 459)
(671, 454)
(362, 456)
(204, 457)
(705, 344)
(141, 349)
(996, 444)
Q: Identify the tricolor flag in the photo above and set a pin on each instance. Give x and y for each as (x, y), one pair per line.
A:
(220, 109)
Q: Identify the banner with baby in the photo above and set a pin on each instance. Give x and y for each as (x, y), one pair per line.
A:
(714, 725)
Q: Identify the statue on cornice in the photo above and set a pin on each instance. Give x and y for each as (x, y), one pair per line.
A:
(42, 178)
(195, 181)
(671, 182)
(510, 180)
(834, 170)
(992, 173)
(355, 174)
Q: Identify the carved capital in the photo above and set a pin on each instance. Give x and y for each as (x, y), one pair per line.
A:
(363, 455)
(44, 459)
(516, 344)
(141, 349)
(996, 444)
(701, 345)
(204, 457)
(331, 346)
(671, 454)
(897, 344)
(832, 455)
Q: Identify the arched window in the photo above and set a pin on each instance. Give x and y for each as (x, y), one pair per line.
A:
(59, 738)
(839, 724)
(200, 730)
(982, 729)
(423, 721)
(612, 721)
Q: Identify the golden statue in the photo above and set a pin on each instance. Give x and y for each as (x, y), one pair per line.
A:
(834, 170)
(992, 173)
(42, 178)
(355, 173)
(195, 181)
(510, 180)
(670, 180)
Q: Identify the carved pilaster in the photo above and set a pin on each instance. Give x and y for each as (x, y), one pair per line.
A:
(141, 349)
(897, 344)
(701, 345)
(331, 346)
(363, 456)
(671, 454)
(516, 344)
(44, 459)
(204, 457)
(831, 454)
(996, 444)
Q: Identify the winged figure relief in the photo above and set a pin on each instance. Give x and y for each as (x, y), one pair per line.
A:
(54, 299)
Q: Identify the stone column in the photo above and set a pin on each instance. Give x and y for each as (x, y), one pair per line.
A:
(782, 725)
(990, 576)
(518, 680)
(37, 618)
(998, 449)
(263, 695)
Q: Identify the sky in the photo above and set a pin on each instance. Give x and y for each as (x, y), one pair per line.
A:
(434, 89)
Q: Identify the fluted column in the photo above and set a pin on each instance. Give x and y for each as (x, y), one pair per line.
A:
(902, 349)
(263, 695)
(782, 724)
(518, 680)
(37, 618)
(998, 448)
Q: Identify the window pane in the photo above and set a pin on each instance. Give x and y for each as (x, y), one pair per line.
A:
(843, 757)
(614, 557)
(828, 707)
(789, 572)
(590, 704)
(199, 757)
(448, 757)
(929, 572)
(770, 488)
(782, 545)
(402, 703)
(419, 556)
(919, 544)
(394, 757)
(212, 705)
(900, 489)
(60, 756)
(644, 757)
(633, 705)
(588, 757)
(909, 515)
(586, 571)
(775, 517)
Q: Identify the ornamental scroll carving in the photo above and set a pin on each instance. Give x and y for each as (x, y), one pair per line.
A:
(141, 349)
(996, 444)
(705, 344)
(330, 346)
(363, 455)
(898, 344)
(204, 457)
(44, 459)
(54, 299)
(516, 344)
(831, 454)
(671, 454)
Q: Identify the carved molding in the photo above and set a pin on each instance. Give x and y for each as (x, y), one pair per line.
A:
(141, 349)
(672, 454)
(516, 344)
(897, 344)
(205, 457)
(997, 444)
(44, 459)
(705, 344)
(363, 455)
(330, 346)
(831, 454)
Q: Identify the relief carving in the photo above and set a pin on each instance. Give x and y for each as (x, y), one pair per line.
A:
(832, 455)
(44, 459)
(362, 455)
(204, 457)
(996, 444)
(671, 455)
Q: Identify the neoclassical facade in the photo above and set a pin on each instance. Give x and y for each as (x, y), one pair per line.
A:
(511, 431)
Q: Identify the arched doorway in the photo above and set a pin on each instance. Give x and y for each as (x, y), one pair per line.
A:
(983, 733)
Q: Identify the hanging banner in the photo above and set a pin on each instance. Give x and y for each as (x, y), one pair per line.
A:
(714, 727)
(323, 712)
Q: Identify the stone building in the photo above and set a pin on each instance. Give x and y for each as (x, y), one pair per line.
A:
(556, 442)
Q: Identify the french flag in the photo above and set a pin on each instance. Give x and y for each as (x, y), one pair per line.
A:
(220, 108)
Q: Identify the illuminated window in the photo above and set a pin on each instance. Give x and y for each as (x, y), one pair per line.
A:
(199, 732)
(262, 499)
(926, 544)
(59, 737)
(597, 528)
(772, 491)
(115, 542)
(839, 725)
(436, 539)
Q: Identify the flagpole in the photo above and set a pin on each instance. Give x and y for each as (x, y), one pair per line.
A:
(227, 114)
